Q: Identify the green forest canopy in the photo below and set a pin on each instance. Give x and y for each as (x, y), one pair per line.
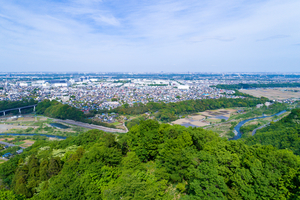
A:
(167, 112)
(58, 110)
(5, 105)
(152, 161)
(284, 134)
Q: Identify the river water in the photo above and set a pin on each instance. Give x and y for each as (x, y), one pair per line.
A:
(32, 134)
(237, 127)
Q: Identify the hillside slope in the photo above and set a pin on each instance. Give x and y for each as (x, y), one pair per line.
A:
(152, 161)
(284, 134)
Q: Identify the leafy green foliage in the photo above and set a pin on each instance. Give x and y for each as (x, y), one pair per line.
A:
(238, 93)
(58, 110)
(153, 161)
(16, 104)
(284, 134)
(4, 105)
(9, 195)
(135, 121)
(11, 150)
(272, 109)
(170, 111)
(249, 128)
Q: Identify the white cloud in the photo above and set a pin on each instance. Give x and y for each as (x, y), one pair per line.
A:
(189, 35)
(105, 19)
(274, 37)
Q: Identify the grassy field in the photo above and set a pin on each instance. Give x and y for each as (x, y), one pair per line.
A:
(222, 129)
(274, 93)
(40, 125)
(2, 161)
(213, 120)
(19, 143)
(116, 123)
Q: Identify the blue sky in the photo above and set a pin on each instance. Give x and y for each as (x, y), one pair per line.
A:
(150, 36)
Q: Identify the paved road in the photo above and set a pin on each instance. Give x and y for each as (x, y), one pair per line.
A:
(91, 126)
(9, 144)
(254, 131)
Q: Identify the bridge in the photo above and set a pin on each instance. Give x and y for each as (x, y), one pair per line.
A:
(20, 108)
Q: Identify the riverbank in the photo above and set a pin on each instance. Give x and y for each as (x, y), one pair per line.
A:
(33, 134)
(240, 124)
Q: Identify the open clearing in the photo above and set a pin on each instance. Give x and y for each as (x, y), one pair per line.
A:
(221, 129)
(8, 139)
(187, 121)
(204, 118)
(217, 113)
(27, 143)
(274, 93)
(5, 127)
(37, 124)
(19, 143)
(26, 119)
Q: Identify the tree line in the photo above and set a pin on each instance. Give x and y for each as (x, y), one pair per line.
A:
(167, 112)
(5, 105)
(284, 134)
(58, 110)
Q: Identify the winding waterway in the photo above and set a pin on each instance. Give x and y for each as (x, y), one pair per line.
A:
(32, 134)
(237, 127)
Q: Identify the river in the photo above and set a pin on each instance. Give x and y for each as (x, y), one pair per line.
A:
(32, 134)
(237, 127)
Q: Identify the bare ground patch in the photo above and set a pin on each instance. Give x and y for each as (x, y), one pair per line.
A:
(9, 139)
(27, 143)
(200, 120)
(26, 119)
(275, 93)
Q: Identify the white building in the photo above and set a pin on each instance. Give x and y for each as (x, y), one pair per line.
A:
(24, 84)
(268, 104)
(38, 83)
(259, 105)
(183, 87)
(59, 83)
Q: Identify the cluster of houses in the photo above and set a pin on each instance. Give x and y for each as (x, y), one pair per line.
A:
(8, 155)
(109, 118)
(266, 104)
(95, 94)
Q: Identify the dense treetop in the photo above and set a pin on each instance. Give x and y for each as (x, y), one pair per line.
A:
(5, 105)
(167, 112)
(152, 161)
(284, 134)
(58, 110)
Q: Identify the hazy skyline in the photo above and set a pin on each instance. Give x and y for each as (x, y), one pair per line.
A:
(150, 36)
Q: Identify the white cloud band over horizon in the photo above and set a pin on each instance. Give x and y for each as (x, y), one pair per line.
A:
(150, 36)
